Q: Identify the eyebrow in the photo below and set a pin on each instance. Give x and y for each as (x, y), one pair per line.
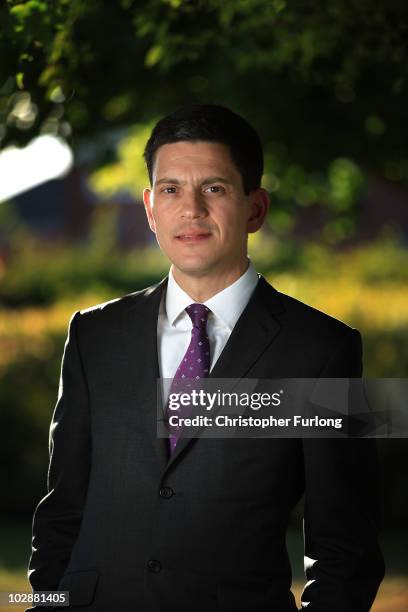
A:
(206, 181)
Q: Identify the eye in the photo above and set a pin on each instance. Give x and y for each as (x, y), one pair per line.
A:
(215, 189)
(168, 190)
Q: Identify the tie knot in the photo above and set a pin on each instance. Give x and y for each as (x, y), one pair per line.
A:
(198, 314)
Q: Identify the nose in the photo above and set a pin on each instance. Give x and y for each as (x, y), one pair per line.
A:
(193, 206)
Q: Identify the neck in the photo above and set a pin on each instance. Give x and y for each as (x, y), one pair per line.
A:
(202, 288)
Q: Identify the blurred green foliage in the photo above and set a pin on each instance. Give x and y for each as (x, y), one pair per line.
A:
(290, 185)
(39, 273)
(325, 84)
(49, 277)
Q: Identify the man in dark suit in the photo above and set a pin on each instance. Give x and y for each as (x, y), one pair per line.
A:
(136, 522)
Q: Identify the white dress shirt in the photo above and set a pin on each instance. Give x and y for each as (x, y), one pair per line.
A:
(174, 325)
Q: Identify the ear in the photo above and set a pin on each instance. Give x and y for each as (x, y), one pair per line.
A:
(258, 208)
(148, 205)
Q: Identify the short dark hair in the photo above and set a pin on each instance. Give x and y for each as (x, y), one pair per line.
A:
(211, 123)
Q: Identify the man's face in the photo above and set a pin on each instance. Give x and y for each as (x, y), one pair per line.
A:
(198, 209)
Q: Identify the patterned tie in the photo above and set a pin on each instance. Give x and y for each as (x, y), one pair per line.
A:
(195, 363)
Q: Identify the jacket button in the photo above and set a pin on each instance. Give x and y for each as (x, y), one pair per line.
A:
(166, 492)
(154, 566)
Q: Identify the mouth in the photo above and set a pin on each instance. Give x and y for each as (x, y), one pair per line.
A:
(193, 237)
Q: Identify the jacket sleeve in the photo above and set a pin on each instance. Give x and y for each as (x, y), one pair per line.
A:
(58, 516)
(343, 562)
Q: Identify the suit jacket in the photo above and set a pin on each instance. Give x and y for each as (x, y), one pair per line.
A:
(125, 527)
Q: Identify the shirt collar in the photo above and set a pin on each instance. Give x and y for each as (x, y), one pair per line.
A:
(226, 305)
(176, 299)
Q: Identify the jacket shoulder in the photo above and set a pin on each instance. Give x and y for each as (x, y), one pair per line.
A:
(117, 306)
(325, 340)
(304, 321)
(311, 316)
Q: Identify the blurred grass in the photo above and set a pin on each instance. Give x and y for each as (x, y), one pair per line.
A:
(392, 596)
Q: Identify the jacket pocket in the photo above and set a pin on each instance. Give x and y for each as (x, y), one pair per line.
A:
(81, 586)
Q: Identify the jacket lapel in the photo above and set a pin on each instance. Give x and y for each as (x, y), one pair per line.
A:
(252, 334)
(139, 340)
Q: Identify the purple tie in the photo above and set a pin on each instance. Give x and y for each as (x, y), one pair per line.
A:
(195, 363)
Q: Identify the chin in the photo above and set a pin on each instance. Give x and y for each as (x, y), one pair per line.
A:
(193, 269)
